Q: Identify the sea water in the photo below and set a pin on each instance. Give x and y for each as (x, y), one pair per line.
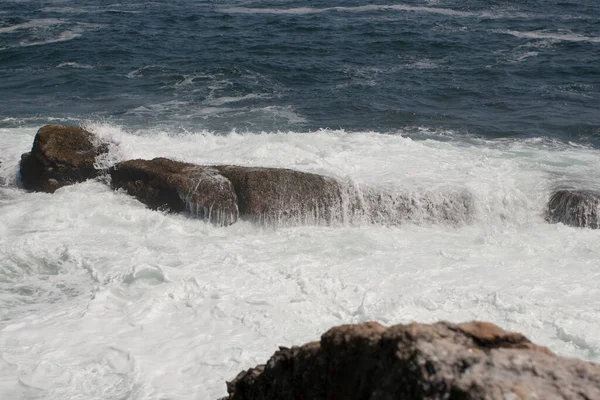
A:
(103, 298)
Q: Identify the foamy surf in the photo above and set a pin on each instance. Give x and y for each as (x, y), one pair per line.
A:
(97, 288)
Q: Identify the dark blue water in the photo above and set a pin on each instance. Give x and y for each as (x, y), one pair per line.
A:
(485, 68)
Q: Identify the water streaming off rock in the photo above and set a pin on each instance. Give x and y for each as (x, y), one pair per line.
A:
(448, 124)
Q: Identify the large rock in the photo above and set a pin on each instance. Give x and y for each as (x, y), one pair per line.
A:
(176, 186)
(575, 207)
(61, 155)
(475, 360)
(277, 195)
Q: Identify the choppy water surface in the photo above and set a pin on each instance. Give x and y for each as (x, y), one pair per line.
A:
(103, 298)
(490, 68)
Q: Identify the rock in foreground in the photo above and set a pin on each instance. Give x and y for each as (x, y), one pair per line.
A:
(475, 360)
(575, 207)
(176, 186)
(61, 155)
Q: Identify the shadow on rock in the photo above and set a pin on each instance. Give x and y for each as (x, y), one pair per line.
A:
(176, 186)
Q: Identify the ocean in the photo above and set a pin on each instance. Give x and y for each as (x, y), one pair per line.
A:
(102, 298)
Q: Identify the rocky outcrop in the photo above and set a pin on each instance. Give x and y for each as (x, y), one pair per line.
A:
(61, 155)
(575, 207)
(176, 186)
(222, 193)
(278, 195)
(474, 360)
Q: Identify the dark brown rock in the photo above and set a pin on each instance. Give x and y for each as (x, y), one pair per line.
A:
(176, 186)
(575, 207)
(61, 155)
(277, 195)
(474, 360)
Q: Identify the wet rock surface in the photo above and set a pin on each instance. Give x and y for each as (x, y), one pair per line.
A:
(175, 186)
(475, 360)
(278, 195)
(575, 207)
(61, 155)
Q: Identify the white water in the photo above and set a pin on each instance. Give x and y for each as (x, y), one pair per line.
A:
(103, 298)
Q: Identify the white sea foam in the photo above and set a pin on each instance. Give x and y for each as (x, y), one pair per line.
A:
(50, 35)
(34, 23)
(230, 99)
(64, 36)
(139, 72)
(101, 297)
(282, 112)
(68, 10)
(495, 14)
(374, 7)
(517, 58)
(567, 36)
(71, 64)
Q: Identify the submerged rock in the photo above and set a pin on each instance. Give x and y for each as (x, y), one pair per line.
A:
(450, 206)
(61, 155)
(573, 207)
(176, 186)
(474, 360)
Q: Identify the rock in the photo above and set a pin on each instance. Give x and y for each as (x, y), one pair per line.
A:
(475, 360)
(176, 186)
(575, 207)
(61, 155)
(277, 195)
